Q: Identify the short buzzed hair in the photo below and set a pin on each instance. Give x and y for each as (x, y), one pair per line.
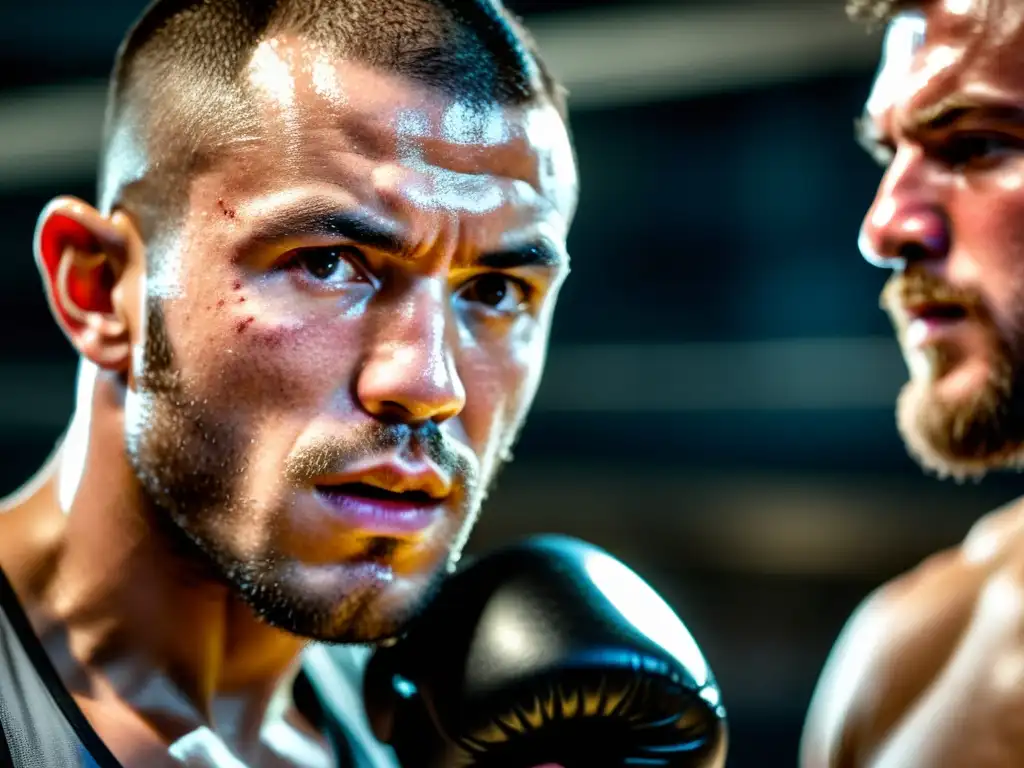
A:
(178, 80)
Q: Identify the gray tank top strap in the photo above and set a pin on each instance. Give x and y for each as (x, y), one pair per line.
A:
(336, 674)
(40, 723)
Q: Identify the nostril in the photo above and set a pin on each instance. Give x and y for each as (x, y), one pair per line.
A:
(920, 235)
(391, 411)
(913, 252)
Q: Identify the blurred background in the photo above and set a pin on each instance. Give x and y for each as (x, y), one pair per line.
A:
(718, 406)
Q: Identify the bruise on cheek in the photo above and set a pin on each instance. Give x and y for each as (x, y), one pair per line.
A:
(275, 367)
(270, 340)
(274, 335)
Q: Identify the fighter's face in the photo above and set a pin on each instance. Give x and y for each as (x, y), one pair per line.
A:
(345, 335)
(946, 117)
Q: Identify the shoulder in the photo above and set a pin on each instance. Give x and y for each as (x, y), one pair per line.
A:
(901, 636)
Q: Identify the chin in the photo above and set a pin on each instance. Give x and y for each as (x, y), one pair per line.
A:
(964, 423)
(357, 603)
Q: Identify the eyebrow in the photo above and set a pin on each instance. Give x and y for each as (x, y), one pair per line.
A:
(943, 115)
(539, 254)
(324, 218)
(940, 115)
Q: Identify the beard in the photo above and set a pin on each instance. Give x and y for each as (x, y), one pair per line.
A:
(192, 464)
(967, 437)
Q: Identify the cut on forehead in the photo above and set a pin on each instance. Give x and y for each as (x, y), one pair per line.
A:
(178, 90)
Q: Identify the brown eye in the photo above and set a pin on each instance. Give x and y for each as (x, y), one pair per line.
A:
(332, 265)
(975, 149)
(321, 264)
(497, 292)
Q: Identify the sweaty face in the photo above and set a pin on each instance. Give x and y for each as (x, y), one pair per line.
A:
(344, 335)
(945, 119)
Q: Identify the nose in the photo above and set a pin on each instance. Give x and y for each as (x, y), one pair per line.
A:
(906, 222)
(409, 374)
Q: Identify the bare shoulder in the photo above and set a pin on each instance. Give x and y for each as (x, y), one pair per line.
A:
(900, 638)
(997, 536)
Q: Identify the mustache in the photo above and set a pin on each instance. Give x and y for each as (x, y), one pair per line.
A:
(336, 454)
(920, 287)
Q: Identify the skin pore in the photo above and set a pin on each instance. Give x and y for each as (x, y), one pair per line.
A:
(362, 286)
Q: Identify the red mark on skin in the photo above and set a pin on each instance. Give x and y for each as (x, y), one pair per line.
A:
(220, 303)
(237, 285)
(241, 326)
(229, 212)
(241, 299)
(273, 335)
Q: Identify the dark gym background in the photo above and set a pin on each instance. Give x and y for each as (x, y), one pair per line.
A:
(718, 404)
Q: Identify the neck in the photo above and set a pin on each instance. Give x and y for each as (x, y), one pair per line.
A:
(127, 612)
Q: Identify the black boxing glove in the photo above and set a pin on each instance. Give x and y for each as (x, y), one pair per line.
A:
(547, 652)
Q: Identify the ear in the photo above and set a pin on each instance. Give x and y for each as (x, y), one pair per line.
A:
(84, 259)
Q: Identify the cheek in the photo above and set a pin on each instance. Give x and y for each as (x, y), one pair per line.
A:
(250, 360)
(988, 248)
(500, 380)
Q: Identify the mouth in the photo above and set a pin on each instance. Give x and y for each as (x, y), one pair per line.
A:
(373, 493)
(931, 323)
(378, 511)
(936, 312)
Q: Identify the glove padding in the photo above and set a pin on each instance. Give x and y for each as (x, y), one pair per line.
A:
(549, 651)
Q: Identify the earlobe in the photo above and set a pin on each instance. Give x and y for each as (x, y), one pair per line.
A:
(82, 255)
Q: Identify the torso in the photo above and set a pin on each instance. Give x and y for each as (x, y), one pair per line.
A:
(931, 673)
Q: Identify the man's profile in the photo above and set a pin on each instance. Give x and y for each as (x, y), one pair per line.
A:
(927, 674)
(312, 305)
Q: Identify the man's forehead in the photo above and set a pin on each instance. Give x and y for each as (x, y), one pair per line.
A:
(303, 87)
(947, 49)
(296, 77)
